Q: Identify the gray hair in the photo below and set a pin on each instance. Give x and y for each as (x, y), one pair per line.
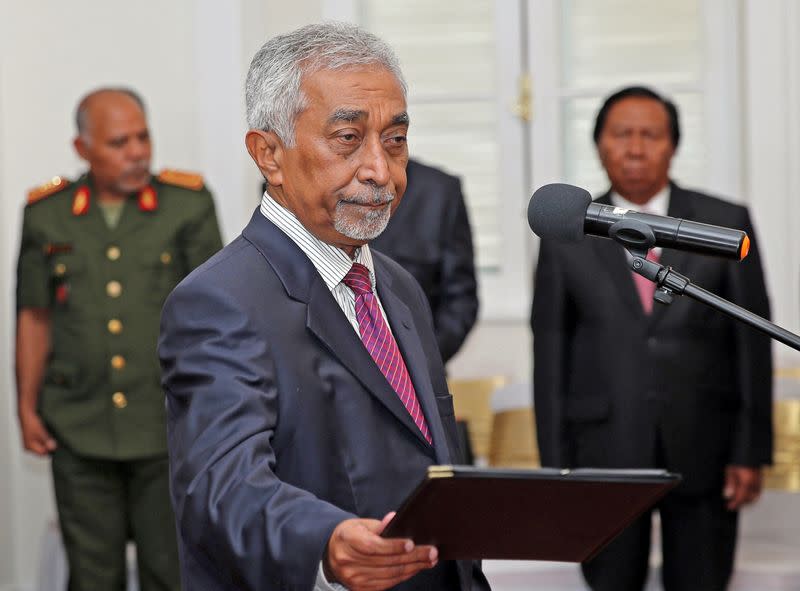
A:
(82, 111)
(272, 91)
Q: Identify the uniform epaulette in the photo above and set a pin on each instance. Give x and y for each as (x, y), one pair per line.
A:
(179, 178)
(51, 187)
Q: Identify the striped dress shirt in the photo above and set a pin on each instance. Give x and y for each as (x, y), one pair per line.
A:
(331, 262)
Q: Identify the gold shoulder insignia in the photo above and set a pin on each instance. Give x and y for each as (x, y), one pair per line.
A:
(179, 178)
(54, 185)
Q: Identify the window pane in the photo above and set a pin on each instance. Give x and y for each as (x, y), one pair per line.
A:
(441, 49)
(610, 43)
(448, 58)
(461, 139)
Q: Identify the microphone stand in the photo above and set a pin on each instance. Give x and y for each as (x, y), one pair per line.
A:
(638, 238)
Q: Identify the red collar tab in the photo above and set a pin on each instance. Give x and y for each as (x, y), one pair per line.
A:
(81, 200)
(148, 200)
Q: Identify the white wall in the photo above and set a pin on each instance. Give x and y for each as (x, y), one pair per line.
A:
(771, 63)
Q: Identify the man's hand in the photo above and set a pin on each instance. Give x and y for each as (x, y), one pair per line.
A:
(358, 558)
(742, 486)
(35, 437)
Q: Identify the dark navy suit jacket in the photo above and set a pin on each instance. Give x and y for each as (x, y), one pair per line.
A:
(280, 424)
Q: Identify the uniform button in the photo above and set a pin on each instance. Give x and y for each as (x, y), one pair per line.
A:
(113, 252)
(114, 326)
(118, 362)
(113, 289)
(60, 269)
(652, 342)
(166, 258)
(119, 400)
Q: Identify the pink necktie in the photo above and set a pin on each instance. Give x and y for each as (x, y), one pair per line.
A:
(645, 287)
(380, 343)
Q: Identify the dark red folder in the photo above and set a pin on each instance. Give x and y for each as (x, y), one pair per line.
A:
(545, 514)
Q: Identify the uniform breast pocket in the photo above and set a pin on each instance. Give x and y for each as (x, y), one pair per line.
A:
(160, 272)
(67, 278)
(61, 374)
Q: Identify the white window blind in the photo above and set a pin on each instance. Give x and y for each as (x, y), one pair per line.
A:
(448, 54)
(608, 44)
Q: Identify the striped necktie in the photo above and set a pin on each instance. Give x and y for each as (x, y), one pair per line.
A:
(380, 343)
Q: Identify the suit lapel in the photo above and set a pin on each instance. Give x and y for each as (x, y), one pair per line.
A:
(324, 318)
(405, 333)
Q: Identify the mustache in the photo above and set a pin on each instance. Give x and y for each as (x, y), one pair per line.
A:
(138, 167)
(377, 196)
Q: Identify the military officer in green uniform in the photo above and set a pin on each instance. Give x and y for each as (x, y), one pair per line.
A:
(98, 257)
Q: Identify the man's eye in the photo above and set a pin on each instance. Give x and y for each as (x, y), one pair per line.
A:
(396, 141)
(348, 137)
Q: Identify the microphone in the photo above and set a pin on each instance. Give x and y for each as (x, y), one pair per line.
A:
(566, 213)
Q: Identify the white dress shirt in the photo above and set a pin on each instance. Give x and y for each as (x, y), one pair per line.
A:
(657, 205)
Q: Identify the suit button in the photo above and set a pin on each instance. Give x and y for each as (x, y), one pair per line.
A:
(113, 289)
(166, 258)
(118, 362)
(119, 400)
(114, 326)
(652, 342)
(113, 253)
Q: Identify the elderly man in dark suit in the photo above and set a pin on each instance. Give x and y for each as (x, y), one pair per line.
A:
(305, 394)
(620, 383)
(430, 236)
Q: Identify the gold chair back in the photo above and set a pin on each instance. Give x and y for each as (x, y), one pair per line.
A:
(514, 439)
(784, 474)
(472, 399)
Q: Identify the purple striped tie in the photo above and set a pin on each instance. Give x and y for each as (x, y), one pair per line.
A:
(381, 345)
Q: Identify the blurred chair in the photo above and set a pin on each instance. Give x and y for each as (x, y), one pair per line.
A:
(513, 443)
(472, 399)
(784, 474)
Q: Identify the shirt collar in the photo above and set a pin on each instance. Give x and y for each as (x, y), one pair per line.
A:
(331, 262)
(657, 205)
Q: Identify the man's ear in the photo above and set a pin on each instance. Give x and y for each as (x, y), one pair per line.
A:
(267, 151)
(80, 147)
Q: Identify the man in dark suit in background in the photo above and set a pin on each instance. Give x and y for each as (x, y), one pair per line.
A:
(619, 383)
(305, 394)
(430, 236)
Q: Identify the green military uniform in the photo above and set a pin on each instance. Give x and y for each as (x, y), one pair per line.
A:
(101, 397)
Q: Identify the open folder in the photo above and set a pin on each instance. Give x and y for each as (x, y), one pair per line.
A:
(545, 514)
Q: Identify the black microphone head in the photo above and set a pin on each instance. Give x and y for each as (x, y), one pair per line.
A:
(557, 211)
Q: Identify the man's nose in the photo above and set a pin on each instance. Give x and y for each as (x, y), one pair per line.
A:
(139, 149)
(374, 166)
(636, 145)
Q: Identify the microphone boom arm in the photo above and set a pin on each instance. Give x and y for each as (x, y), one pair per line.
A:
(638, 238)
